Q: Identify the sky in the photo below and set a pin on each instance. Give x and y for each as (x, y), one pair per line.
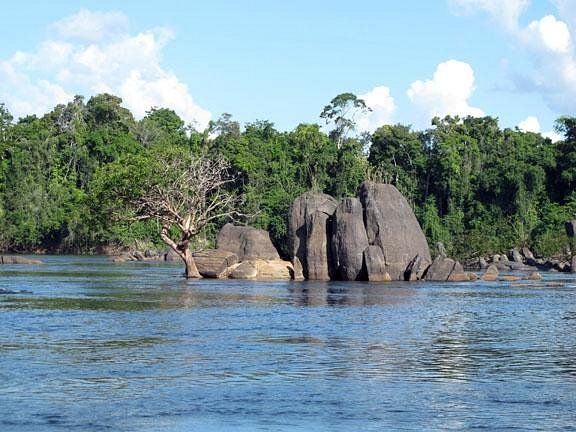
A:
(410, 60)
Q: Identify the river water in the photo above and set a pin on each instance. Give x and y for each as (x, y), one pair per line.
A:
(98, 346)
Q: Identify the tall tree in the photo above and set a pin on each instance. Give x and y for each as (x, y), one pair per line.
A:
(341, 113)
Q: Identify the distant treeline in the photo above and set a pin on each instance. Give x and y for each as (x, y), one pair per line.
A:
(474, 186)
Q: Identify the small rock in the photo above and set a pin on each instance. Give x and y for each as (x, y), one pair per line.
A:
(516, 256)
(138, 255)
(298, 271)
(171, 256)
(491, 274)
(527, 253)
(12, 259)
(459, 277)
(509, 278)
(534, 276)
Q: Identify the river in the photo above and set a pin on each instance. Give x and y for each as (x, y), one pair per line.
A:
(97, 346)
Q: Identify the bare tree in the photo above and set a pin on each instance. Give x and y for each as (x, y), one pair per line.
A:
(190, 193)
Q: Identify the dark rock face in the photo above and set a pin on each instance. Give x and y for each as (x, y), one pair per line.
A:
(375, 264)
(318, 252)
(571, 228)
(349, 239)
(213, 263)
(443, 268)
(416, 269)
(246, 243)
(392, 225)
(309, 234)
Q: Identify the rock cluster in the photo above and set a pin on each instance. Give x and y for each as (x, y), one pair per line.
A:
(243, 253)
(523, 260)
(374, 237)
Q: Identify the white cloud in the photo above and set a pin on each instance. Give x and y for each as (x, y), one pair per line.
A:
(549, 34)
(530, 124)
(104, 59)
(554, 136)
(382, 104)
(91, 26)
(549, 43)
(506, 12)
(447, 93)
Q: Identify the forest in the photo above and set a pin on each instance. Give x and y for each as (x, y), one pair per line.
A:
(477, 187)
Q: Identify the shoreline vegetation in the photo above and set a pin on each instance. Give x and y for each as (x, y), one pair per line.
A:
(65, 177)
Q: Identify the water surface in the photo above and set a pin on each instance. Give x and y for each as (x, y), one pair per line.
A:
(99, 346)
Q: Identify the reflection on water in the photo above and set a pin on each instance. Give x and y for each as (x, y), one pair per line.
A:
(135, 347)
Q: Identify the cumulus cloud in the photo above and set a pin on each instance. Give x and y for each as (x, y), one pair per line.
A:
(447, 93)
(532, 124)
(383, 107)
(548, 41)
(90, 53)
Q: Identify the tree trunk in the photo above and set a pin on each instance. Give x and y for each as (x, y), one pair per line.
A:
(191, 269)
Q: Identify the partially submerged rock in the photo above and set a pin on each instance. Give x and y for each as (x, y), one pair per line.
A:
(309, 234)
(491, 273)
(263, 270)
(392, 225)
(443, 268)
(534, 276)
(214, 263)
(13, 259)
(375, 265)
(349, 240)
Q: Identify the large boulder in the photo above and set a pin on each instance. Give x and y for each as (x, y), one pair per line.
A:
(318, 257)
(214, 263)
(349, 239)
(246, 243)
(444, 269)
(309, 234)
(573, 264)
(392, 225)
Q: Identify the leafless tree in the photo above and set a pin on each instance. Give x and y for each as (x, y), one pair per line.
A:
(191, 192)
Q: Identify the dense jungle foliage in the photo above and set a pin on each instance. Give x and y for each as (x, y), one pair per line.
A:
(476, 187)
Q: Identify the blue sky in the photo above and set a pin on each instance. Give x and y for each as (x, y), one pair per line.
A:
(283, 61)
